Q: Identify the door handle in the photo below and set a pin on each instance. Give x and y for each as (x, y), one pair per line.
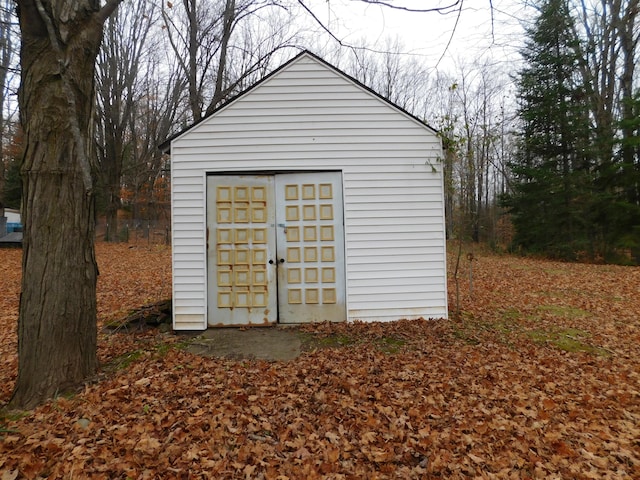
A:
(271, 262)
(282, 260)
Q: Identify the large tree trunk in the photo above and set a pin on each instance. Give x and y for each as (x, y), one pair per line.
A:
(57, 323)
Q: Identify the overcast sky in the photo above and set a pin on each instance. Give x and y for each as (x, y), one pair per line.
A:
(479, 32)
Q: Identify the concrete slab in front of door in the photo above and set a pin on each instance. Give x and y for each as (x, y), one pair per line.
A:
(270, 343)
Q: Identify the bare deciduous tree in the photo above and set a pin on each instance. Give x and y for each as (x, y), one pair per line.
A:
(57, 329)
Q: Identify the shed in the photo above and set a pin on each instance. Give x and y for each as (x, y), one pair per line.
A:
(308, 197)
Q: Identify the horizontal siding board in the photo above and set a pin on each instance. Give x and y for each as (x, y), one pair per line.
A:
(187, 283)
(373, 234)
(191, 298)
(286, 161)
(189, 234)
(308, 117)
(344, 146)
(403, 254)
(233, 127)
(397, 300)
(230, 122)
(399, 259)
(388, 315)
(180, 272)
(418, 208)
(385, 229)
(188, 256)
(371, 269)
(297, 137)
(394, 293)
(374, 244)
(411, 283)
(186, 309)
(380, 183)
(394, 221)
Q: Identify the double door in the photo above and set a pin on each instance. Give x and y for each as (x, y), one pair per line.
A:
(275, 249)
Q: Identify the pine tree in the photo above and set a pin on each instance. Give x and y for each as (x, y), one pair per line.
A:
(550, 202)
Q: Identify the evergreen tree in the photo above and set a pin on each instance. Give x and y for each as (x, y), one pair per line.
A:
(551, 198)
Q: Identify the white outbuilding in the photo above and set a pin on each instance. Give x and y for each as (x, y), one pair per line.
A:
(306, 198)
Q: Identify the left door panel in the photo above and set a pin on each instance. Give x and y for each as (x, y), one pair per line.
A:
(241, 250)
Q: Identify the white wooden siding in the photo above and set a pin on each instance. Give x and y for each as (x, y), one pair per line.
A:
(309, 117)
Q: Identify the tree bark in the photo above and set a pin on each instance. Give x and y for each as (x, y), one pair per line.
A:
(57, 328)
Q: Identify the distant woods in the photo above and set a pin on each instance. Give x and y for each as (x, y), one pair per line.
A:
(576, 172)
(542, 152)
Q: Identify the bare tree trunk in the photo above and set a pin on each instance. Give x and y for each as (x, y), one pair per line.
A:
(227, 27)
(57, 323)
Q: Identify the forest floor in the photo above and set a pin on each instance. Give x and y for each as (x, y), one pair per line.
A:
(538, 378)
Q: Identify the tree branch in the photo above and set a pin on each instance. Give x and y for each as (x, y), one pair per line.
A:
(453, 32)
(415, 10)
(106, 11)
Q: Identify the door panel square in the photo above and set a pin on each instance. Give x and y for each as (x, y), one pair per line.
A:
(328, 275)
(241, 194)
(224, 278)
(310, 254)
(326, 233)
(258, 215)
(311, 275)
(308, 192)
(326, 191)
(259, 277)
(291, 192)
(310, 234)
(292, 213)
(293, 234)
(259, 299)
(326, 212)
(311, 296)
(293, 275)
(293, 254)
(223, 194)
(241, 215)
(224, 300)
(294, 295)
(258, 194)
(242, 278)
(225, 257)
(259, 256)
(243, 299)
(309, 212)
(242, 257)
(225, 235)
(328, 254)
(242, 235)
(224, 215)
(328, 295)
(259, 235)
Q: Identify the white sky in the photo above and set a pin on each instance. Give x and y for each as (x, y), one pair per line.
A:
(477, 35)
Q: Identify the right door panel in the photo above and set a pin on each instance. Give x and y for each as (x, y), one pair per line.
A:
(310, 247)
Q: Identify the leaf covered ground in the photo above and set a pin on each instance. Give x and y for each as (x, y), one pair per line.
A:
(539, 378)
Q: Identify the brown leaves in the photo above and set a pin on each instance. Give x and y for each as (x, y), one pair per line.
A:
(455, 399)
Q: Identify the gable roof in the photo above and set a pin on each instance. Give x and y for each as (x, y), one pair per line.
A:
(166, 145)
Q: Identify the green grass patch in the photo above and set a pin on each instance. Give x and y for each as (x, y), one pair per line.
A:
(6, 416)
(568, 339)
(390, 345)
(563, 311)
(335, 340)
(474, 331)
(123, 361)
(510, 315)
